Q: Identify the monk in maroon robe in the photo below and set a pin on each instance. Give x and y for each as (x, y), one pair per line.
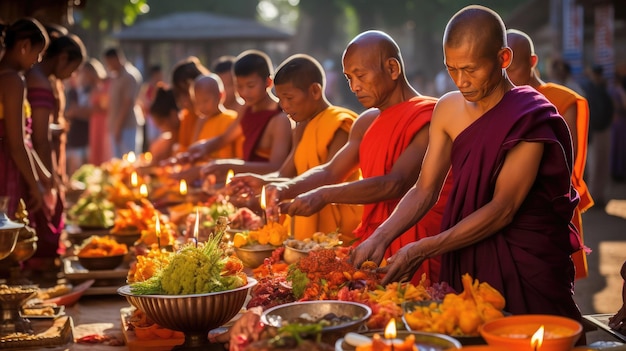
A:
(507, 220)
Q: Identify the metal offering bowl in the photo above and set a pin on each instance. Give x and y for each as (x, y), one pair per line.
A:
(282, 314)
(194, 315)
(101, 263)
(254, 256)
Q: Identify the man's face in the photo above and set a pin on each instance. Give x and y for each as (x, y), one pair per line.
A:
(300, 105)
(474, 73)
(367, 81)
(252, 88)
(112, 63)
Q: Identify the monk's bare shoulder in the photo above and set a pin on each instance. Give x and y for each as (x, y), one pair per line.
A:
(449, 113)
(363, 122)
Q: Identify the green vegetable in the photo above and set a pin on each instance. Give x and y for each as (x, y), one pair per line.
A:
(192, 270)
(298, 280)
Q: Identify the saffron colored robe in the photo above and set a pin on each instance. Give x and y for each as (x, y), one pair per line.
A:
(563, 98)
(216, 125)
(253, 125)
(312, 150)
(383, 143)
(187, 128)
(528, 261)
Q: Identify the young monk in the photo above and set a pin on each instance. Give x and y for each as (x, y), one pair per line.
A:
(507, 221)
(387, 142)
(321, 131)
(573, 108)
(265, 128)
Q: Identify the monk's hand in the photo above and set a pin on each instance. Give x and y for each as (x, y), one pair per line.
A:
(189, 175)
(273, 196)
(196, 151)
(403, 265)
(245, 183)
(304, 204)
(369, 250)
(618, 321)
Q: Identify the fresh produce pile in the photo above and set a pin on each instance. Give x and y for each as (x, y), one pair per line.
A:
(318, 240)
(459, 314)
(273, 233)
(141, 218)
(195, 269)
(148, 264)
(101, 246)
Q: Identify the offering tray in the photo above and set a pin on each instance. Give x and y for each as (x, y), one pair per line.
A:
(423, 341)
(106, 281)
(602, 321)
(46, 333)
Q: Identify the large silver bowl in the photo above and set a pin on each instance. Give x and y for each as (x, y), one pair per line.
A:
(282, 314)
(194, 315)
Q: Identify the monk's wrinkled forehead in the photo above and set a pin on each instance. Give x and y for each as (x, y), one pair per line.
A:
(371, 48)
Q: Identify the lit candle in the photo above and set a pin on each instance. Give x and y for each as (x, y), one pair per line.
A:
(143, 190)
(196, 227)
(537, 339)
(182, 187)
(229, 176)
(390, 333)
(263, 205)
(158, 230)
(133, 179)
(131, 157)
(147, 156)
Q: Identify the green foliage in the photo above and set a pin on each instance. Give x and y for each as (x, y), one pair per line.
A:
(298, 280)
(238, 8)
(106, 15)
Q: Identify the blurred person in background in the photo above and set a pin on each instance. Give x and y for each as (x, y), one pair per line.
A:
(223, 67)
(618, 128)
(164, 112)
(92, 73)
(62, 57)
(23, 42)
(125, 119)
(147, 93)
(183, 75)
(600, 118)
(561, 73)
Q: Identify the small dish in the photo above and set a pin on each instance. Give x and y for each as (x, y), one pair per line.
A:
(72, 297)
(57, 312)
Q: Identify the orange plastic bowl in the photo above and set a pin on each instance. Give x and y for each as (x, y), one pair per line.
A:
(515, 332)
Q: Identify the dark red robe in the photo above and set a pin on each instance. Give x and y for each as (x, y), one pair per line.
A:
(528, 260)
(383, 143)
(253, 124)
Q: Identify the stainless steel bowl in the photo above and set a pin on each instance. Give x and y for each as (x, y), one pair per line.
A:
(293, 255)
(423, 341)
(278, 315)
(195, 314)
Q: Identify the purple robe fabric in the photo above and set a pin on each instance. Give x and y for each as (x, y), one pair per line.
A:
(528, 261)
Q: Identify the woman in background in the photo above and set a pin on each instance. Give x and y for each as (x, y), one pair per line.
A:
(100, 149)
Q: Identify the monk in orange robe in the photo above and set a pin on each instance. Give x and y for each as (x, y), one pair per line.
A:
(388, 142)
(574, 109)
(321, 130)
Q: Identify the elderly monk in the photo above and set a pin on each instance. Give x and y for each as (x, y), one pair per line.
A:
(388, 142)
(508, 219)
(321, 131)
(574, 110)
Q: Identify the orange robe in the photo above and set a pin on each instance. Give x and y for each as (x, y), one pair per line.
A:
(312, 150)
(187, 129)
(563, 98)
(383, 143)
(215, 126)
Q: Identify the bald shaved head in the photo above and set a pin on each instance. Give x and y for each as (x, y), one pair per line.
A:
(209, 83)
(477, 24)
(377, 46)
(521, 70)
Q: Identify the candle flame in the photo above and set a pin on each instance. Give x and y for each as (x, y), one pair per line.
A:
(158, 226)
(133, 179)
(263, 204)
(131, 157)
(143, 190)
(537, 339)
(390, 329)
(182, 187)
(229, 176)
(147, 156)
(196, 227)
